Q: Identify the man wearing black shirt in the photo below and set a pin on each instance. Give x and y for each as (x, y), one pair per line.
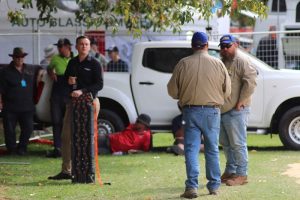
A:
(84, 75)
(16, 100)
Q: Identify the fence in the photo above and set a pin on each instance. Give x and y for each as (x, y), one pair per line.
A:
(279, 49)
(33, 44)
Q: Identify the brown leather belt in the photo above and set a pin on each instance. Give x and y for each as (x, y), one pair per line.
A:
(202, 106)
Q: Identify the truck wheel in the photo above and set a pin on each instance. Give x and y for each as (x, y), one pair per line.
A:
(289, 128)
(109, 122)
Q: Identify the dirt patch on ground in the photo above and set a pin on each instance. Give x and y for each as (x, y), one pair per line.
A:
(2, 193)
(293, 171)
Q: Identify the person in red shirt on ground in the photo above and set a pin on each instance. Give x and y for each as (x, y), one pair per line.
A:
(134, 139)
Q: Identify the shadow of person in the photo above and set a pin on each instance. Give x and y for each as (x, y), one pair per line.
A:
(269, 148)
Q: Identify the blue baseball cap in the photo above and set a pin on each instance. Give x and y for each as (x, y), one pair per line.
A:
(227, 39)
(199, 39)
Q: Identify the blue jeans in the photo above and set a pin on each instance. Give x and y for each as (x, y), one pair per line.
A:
(233, 138)
(202, 121)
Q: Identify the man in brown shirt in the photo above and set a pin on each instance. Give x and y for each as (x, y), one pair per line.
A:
(201, 83)
(233, 134)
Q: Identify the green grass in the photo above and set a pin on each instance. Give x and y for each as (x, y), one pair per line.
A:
(149, 176)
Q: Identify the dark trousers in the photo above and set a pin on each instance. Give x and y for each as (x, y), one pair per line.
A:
(58, 109)
(25, 120)
(103, 144)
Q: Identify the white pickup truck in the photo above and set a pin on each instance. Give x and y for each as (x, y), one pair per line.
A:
(275, 106)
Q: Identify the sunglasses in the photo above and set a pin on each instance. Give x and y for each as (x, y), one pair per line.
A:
(227, 46)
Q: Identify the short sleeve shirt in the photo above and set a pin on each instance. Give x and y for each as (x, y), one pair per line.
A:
(59, 64)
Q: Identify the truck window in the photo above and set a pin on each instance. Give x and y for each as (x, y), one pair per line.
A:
(164, 59)
(298, 13)
(214, 53)
(281, 8)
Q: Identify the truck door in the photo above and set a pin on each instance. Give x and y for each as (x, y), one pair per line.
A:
(257, 103)
(149, 82)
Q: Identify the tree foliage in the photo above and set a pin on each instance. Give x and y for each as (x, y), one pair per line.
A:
(139, 15)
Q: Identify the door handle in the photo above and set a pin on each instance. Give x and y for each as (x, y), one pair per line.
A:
(146, 83)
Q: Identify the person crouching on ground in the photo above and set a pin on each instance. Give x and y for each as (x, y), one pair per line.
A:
(178, 133)
(135, 138)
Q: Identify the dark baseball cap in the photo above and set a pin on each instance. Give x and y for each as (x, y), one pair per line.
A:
(63, 41)
(112, 49)
(144, 119)
(199, 39)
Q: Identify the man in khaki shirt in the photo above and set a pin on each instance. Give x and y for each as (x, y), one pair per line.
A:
(201, 83)
(235, 111)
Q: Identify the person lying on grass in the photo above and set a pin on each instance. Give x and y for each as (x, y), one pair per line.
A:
(135, 138)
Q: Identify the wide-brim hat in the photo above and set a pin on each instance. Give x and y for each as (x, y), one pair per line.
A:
(18, 52)
(49, 51)
(144, 119)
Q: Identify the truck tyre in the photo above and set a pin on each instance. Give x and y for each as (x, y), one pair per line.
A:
(109, 122)
(289, 128)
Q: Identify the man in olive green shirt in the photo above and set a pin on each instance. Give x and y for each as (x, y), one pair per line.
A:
(60, 91)
(235, 111)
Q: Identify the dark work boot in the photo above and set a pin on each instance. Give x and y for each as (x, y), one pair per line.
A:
(56, 153)
(189, 193)
(60, 176)
(237, 180)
